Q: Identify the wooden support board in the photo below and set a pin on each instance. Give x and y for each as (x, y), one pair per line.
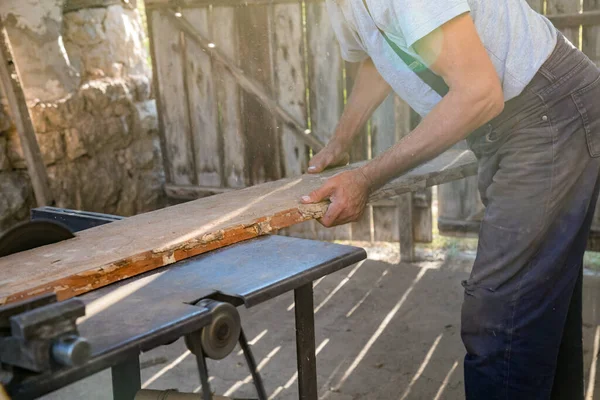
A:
(11, 82)
(119, 250)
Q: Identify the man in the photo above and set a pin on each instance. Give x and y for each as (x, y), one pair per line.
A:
(528, 104)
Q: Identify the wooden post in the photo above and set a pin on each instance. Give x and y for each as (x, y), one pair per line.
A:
(407, 244)
(325, 70)
(566, 7)
(422, 213)
(362, 229)
(402, 115)
(383, 136)
(591, 34)
(9, 76)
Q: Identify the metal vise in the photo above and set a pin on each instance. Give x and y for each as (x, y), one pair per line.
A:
(41, 334)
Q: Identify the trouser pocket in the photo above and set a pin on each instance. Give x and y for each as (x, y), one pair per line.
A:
(587, 101)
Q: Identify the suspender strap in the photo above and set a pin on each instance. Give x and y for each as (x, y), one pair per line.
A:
(429, 77)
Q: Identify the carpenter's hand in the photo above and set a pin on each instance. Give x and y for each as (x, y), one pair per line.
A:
(348, 193)
(333, 155)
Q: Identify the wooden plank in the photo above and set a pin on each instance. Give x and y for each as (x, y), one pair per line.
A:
(11, 82)
(325, 71)
(290, 82)
(157, 95)
(566, 7)
(383, 136)
(422, 216)
(112, 252)
(251, 85)
(202, 103)
(290, 85)
(224, 33)
(422, 213)
(575, 20)
(407, 244)
(263, 149)
(363, 228)
(404, 125)
(173, 109)
(591, 34)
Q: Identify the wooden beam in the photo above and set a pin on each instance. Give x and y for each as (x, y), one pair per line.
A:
(100, 256)
(11, 81)
(575, 20)
(247, 83)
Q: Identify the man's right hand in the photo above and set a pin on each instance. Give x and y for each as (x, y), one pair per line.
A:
(333, 155)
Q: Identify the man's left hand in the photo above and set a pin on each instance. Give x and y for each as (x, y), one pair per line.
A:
(348, 193)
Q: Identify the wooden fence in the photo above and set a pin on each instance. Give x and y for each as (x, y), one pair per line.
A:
(248, 89)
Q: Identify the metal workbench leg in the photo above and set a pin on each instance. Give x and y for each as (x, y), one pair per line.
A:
(203, 372)
(126, 379)
(305, 342)
(258, 383)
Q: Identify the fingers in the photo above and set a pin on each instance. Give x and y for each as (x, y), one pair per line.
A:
(318, 163)
(332, 215)
(318, 195)
(327, 158)
(344, 159)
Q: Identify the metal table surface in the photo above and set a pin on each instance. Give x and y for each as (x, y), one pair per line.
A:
(156, 308)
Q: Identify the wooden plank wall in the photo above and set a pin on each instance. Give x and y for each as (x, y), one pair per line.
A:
(218, 137)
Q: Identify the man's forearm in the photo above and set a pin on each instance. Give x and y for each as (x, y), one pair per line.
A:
(449, 122)
(368, 92)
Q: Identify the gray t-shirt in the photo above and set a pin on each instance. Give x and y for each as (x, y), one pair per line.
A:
(517, 39)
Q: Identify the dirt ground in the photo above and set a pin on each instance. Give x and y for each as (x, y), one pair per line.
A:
(383, 331)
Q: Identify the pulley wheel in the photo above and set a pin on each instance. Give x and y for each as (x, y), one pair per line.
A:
(32, 234)
(220, 337)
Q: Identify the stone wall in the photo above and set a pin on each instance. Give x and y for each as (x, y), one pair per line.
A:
(100, 140)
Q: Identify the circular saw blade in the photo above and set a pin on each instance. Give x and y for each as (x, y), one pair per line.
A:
(32, 234)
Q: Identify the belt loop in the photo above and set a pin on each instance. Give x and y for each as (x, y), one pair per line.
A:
(547, 73)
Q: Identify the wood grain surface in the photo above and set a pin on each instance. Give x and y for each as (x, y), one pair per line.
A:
(112, 252)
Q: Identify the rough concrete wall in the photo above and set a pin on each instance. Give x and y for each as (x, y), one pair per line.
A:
(100, 141)
(106, 41)
(34, 28)
(100, 147)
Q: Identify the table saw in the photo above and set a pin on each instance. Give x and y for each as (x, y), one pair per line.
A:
(47, 344)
